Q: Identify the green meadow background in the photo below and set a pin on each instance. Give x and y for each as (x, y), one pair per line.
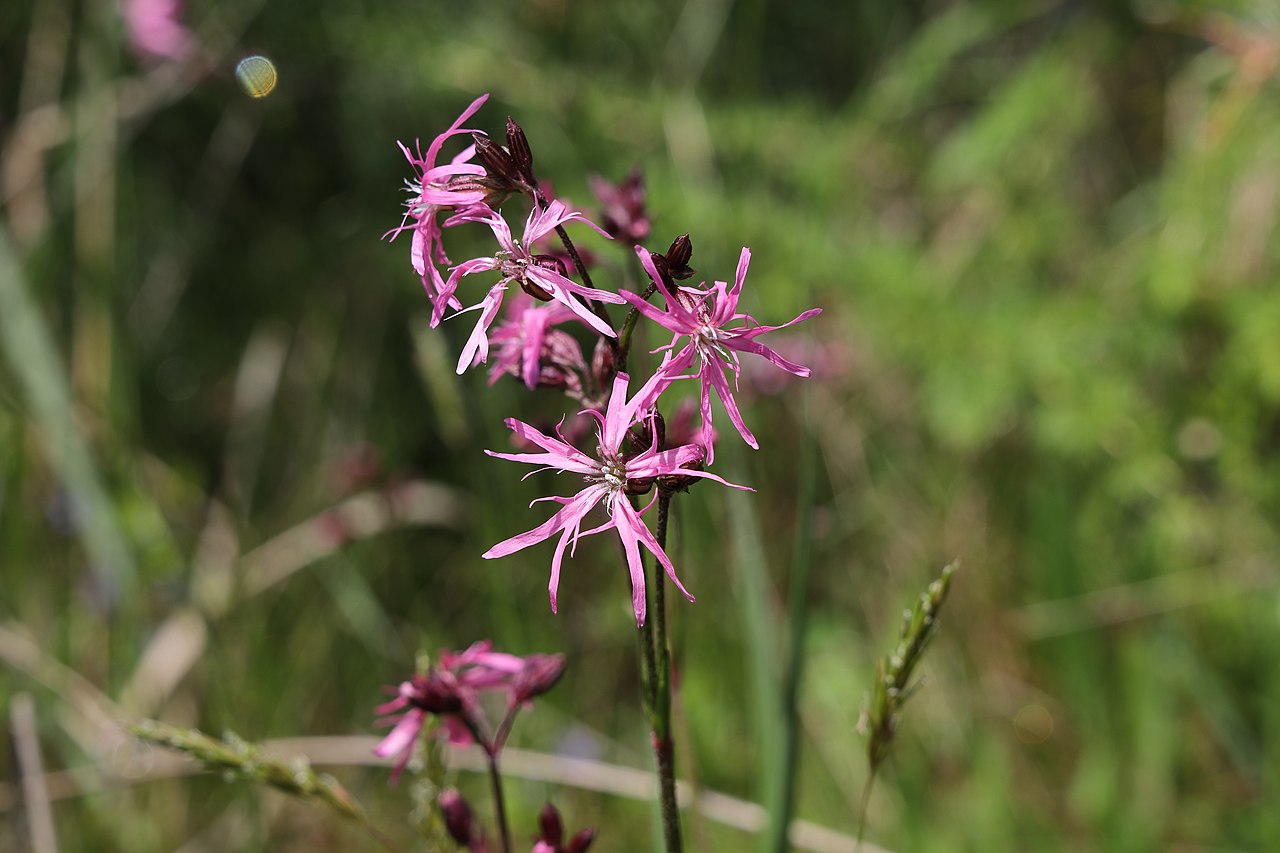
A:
(241, 486)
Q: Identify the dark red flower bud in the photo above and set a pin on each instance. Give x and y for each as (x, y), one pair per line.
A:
(535, 291)
(639, 487)
(678, 257)
(550, 825)
(555, 263)
(459, 821)
(521, 155)
(495, 159)
(502, 176)
(581, 841)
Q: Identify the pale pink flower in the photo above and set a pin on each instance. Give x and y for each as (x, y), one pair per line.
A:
(431, 192)
(608, 476)
(528, 346)
(716, 333)
(518, 264)
(155, 30)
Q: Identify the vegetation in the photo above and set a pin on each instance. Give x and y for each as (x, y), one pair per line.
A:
(241, 486)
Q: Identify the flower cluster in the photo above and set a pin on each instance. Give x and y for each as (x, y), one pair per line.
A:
(450, 692)
(556, 296)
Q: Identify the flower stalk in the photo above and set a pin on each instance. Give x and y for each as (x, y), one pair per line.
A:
(663, 746)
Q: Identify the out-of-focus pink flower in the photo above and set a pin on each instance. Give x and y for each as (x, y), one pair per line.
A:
(608, 477)
(436, 694)
(528, 346)
(155, 31)
(450, 692)
(518, 264)
(624, 215)
(716, 333)
(432, 191)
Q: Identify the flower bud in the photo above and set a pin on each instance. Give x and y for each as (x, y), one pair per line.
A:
(581, 840)
(678, 257)
(552, 830)
(459, 821)
(502, 176)
(555, 263)
(637, 487)
(521, 155)
(535, 291)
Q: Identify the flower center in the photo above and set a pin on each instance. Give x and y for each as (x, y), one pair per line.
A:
(613, 471)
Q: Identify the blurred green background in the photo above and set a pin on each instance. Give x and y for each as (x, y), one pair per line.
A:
(1045, 238)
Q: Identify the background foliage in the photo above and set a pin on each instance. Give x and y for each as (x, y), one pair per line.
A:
(1045, 236)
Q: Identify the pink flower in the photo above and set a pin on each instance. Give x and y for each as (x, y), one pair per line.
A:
(608, 477)
(154, 29)
(528, 346)
(518, 264)
(707, 318)
(624, 215)
(432, 192)
(450, 691)
(438, 693)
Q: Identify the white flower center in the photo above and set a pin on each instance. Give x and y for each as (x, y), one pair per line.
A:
(613, 471)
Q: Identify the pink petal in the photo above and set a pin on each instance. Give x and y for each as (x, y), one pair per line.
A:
(434, 149)
(715, 376)
(402, 736)
(571, 512)
(477, 346)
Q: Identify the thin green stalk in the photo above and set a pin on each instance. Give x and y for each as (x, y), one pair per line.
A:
(628, 328)
(758, 623)
(648, 663)
(663, 746)
(34, 359)
(499, 807)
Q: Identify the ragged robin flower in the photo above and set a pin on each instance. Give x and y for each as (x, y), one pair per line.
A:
(716, 333)
(608, 476)
(540, 277)
(438, 188)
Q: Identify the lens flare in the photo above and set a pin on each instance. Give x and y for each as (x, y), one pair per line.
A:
(257, 75)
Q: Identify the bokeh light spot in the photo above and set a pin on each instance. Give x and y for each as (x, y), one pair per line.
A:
(257, 75)
(1033, 724)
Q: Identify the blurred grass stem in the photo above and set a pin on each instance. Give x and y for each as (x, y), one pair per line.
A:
(783, 795)
(34, 359)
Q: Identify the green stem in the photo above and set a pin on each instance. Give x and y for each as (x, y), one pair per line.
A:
(499, 808)
(628, 327)
(862, 807)
(663, 746)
